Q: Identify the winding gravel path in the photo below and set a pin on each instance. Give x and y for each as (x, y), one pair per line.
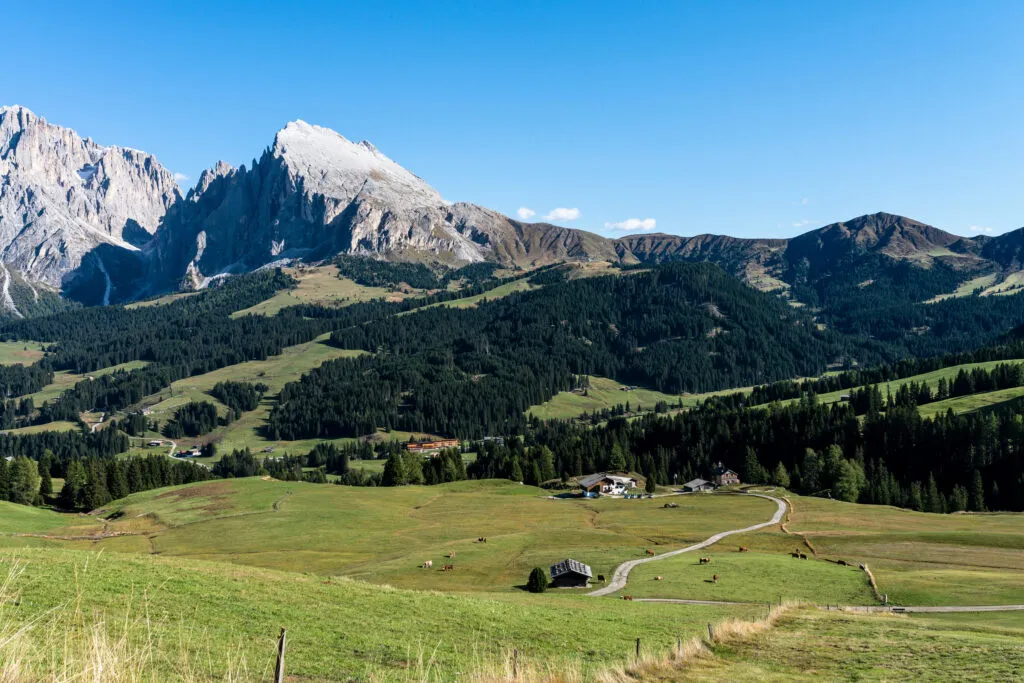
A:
(618, 581)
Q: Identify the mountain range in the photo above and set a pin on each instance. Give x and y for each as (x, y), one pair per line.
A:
(109, 224)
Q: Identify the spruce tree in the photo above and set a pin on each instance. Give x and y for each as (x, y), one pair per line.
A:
(651, 486)
(538, 581)
(976, 497)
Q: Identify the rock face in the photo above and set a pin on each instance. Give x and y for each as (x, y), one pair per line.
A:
(315, 194)
(63, 197)
(107, 224)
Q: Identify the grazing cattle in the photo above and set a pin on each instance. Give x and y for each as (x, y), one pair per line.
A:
(482, 539)
(649, 551)
(841, 562)
(451, 555)
(627, 597)
(704, 560)
(657, 578)
(429, 564)
(600, 577)
(744, 549)
(796, 555)
(715, 578)
(803, 556)
(449, 568)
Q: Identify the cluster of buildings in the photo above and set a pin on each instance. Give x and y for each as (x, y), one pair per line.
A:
(720, 476)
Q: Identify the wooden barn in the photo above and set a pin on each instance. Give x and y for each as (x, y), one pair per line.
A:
(570, 574)
(698, 486)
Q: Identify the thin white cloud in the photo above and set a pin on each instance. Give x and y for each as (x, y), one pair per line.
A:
(633, 224)
(561, 214)
(180, 178)
(800, 224)
(803, 202)
(979, 228)
(525, 213)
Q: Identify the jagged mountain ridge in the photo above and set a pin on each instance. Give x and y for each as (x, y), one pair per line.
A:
(62, 196)
(108, 224)
(315, 194)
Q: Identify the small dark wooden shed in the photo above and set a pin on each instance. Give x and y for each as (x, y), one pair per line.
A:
(570, 574)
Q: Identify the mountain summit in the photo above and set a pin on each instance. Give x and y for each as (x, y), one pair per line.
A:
(108, 224)
(62, 196)
(314, 194)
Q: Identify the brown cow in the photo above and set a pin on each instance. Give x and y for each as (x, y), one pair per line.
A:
(451, 555)
(744, 549)
(649, 551)
(715, 578)
(449, 568)
(657, 578)
(704, 560)
(627, 597)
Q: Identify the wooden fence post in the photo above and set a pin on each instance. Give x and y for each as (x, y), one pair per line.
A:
(515, 664)
(279, 669)
(638, 650)
(711, 633)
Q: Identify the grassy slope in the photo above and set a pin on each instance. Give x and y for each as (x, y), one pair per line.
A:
(275, 372)
(918, 558)
(20, 352)
(605, 393)
(321, 285)
(383, 535)
(751, 577)
(209, 616)
(931, 378)
(64, 380)
(810, 645)
(969, 404)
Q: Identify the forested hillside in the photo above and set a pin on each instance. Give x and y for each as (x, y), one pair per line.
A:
(475, 371)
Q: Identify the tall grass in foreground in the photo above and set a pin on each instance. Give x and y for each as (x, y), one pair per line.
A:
(70, 643)
(650, 665)
(67, 645)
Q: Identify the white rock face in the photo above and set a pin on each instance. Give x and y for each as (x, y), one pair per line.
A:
(61, 196)
(315, 194)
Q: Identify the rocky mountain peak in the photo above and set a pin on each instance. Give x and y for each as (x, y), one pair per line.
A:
(329, 164)
(78, 194)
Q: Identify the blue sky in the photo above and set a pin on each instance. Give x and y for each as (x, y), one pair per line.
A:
(745, 118)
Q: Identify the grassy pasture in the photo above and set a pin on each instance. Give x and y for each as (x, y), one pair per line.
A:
(919, 558)
(198, 620)
(751, 577)
(161, 300)
(605, 393)
(967, 288)
(275, 372)
(321, 285)
(811, 645)
(21, 352)
(383, 535)
(931, 378)
(64, 380)
(971, 403)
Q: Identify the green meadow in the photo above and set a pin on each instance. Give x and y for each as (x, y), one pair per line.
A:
(814, 645)
(383, 535)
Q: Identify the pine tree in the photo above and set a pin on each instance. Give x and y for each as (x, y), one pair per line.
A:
(74, 483)
(651, 486)
(976, 495)
(24, 478)
(781, 477)
(538, 581)
(45, 480)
